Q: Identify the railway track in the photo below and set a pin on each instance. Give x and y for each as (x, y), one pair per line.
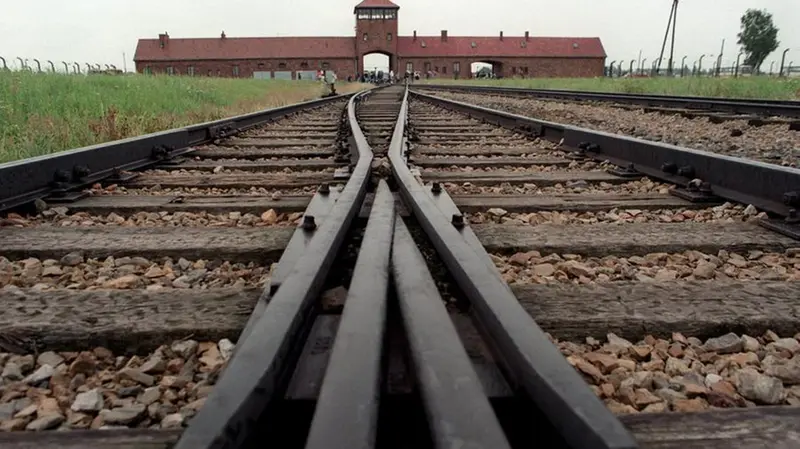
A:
(400, 270)
(721, 108)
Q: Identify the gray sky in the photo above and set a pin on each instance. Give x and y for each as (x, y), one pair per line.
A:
(99, 31)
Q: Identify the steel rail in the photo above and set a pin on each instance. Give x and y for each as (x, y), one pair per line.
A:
(784, 108)
(525, 352)
(346, 414)
(58, 174)
(768, 187)
(259, 370)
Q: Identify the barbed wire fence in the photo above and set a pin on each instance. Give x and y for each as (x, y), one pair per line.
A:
(35, 65)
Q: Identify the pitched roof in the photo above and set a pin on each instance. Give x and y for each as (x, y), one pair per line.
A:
(377, 4)
(246, 48)
(510, 46)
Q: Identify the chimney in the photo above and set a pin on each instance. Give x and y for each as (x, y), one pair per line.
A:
(223, 35)
(163, 39)
(415, 34)
(501, 35)
(527, 36)
(444, 35)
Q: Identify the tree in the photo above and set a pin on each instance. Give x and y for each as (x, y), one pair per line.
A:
(758, 37)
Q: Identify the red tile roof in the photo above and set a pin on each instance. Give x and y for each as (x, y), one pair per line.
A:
(377, 4)
(246, 48)
(510, 46)
(344, 47)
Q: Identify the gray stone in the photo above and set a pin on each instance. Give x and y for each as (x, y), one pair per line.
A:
(12, 372)
(669, 395)
(123, 415)
(759, 388)
(90, 401)
(726, 344)
(40, 375)
(173, 421)
(185, 349)
(7, 411)
(750, 344)
(226, 348)
(154, 365)
(45, 422)
(136, 376)
(72, 259)
(618, 341)
(711, 379)
(150, 395)
(788, 344)
(786, 370)
(50, 358)
(126, 392)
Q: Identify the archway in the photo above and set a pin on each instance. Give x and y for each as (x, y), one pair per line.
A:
(486, 69)
(377, 65)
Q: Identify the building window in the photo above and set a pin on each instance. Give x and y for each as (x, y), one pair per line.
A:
(444, 70)
(282, 65)
(427, 67)
(366, 36)
(236, 70)
(363, 14)
(326, 65)
(170, 70)
(409, 67)
(190, 70)
(525, 70)
(456, 67)
(389, 37)
(304, 65)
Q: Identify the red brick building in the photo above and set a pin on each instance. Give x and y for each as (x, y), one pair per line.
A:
(376, 32)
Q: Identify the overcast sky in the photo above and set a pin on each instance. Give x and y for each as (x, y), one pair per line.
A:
(99, 31)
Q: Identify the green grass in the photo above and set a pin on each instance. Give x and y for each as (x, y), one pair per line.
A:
(45, 113)
(745, 87)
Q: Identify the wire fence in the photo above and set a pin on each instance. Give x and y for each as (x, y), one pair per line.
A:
(20, 64)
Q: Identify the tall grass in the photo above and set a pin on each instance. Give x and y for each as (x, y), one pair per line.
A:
(744, 87)
(46, 113)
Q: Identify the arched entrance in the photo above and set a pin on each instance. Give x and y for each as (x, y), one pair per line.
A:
(486, 69)
(377, 65)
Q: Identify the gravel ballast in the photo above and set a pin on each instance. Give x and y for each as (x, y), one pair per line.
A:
(685, 374)
(537, 268)
(773, 143)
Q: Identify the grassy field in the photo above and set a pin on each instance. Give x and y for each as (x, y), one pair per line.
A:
(41, 113)
(749, 87)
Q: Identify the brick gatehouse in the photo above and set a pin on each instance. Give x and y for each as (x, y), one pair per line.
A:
(376, 32)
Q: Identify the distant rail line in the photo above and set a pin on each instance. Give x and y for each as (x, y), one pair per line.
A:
(395, 269)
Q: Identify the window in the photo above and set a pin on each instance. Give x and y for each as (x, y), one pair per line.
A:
(409, 67)
(304, 65)
(363, 14)
(444, 70)
(170, 70)
(525, 70)
(366, 36)
(236, 70)
(389, 37)
(148, 70)
(456, 67)
(190, 70)
(326, 65)
(427, 67)
(282, 65)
